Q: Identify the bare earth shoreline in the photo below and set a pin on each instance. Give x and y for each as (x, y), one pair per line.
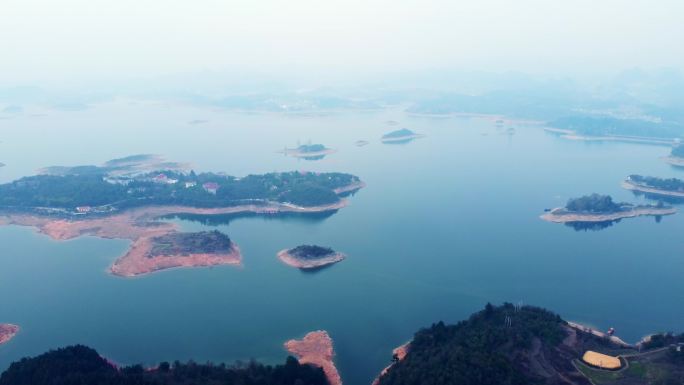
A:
(650, 190)
(141, 224)
(7, 332)
(554, 216)
(316, 348)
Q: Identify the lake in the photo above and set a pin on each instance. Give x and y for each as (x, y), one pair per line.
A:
(446, 224)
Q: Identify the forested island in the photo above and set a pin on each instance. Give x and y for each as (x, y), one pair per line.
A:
(403, 135)
(92, 194)
(522, 345)
(309, 151)
(676, 157)
(653, 186)
(7, 332)
(310, 256)
(183, 244)
(584, 127)
(82, 365)
(602, 208)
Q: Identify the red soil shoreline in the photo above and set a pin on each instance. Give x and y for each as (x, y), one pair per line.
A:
(139, 225)
(300, 263)
(398, 353)
(316, 348)
(7, 332)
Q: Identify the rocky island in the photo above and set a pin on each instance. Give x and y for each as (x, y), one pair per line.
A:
(121, 201)
(652, 186)
(316, 348)
(601, 208)
(7, 332)
(309, 151)
(400, 136)
(307, 257)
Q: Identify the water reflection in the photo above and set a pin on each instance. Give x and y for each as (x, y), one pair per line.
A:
(225, 219)
(591, 226)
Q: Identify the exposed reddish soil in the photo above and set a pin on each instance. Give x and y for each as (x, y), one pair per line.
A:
(7, 332)
(316, 348)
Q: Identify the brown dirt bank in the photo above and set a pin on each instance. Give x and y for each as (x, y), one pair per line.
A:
(7, 332)
(140, 225)
(553, 215)
(316, 348)
(398, 354)
(301, 263)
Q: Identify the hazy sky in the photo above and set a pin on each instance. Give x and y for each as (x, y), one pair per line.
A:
(52, 40)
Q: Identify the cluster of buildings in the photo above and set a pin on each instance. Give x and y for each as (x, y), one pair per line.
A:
(210, 187)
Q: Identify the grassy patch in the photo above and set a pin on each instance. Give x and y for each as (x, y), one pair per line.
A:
(598, 376)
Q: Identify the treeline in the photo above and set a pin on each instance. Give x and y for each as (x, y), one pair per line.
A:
(203, 242)
(70, 191)
(311, 251)
(669, 184)
(398, 133)
(478, 351)
(678, 151)
(594, 203)
(80, 365)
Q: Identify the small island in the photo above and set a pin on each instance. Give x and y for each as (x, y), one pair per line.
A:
(308, 257)
(171, 249)
(7, 332)
(652, 186)
(316, 348)
(361, 143)
(309, 151)
(400, 136)
(601, 208)
(676, 157)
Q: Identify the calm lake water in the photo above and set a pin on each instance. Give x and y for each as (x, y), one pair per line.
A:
(446, 224)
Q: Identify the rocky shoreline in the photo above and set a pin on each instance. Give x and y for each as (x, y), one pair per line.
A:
(7, 332)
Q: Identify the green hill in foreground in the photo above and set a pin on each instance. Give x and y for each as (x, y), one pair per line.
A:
(80, 365)
(526, 345)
